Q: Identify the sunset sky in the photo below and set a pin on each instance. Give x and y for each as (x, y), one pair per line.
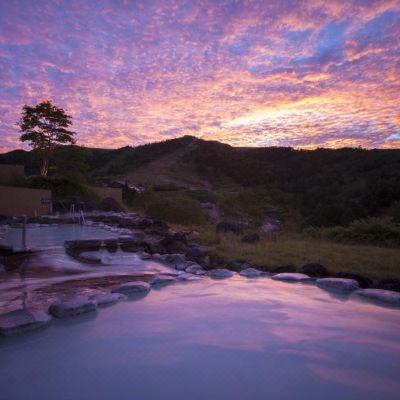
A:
(248, 73)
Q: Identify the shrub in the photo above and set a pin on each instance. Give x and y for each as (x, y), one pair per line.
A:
(378, 231)
(62, 188)
(203, 196)
(178, 209)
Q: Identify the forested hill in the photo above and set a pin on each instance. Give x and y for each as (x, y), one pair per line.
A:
(328, 187)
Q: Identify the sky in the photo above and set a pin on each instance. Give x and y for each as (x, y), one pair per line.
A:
(306, 74)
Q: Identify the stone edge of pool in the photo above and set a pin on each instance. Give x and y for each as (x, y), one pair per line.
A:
(24, 320)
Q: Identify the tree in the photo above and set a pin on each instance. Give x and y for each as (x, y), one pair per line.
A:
(45, 127)
(70, 162)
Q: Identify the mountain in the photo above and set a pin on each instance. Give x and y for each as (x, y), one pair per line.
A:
(323, 187)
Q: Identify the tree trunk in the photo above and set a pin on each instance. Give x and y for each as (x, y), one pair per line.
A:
(44, 169)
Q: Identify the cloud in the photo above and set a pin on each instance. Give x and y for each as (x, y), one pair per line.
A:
(309, 73)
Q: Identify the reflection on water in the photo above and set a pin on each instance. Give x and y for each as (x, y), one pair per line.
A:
(230, 339)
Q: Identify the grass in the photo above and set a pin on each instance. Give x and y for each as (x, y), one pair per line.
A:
(373, 262)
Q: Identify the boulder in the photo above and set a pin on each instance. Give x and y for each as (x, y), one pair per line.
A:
(284, 269)
(76, 306)
(250, 272)
(88, 244)
(291, 277)
(112, 244)
(185, 276)
(389, 284)
(135, 246)
(22, 320)
(158, 257)
(175, 243)
(178, 261)
(315, 270)
(220, 273)
(362, 280)
(161, 279)
(105, 299)
(251, 239)
(89, 257)
(338, 284)
(237, 265)
(194, 253)
(131, 288)
(386, 296)
(145, 256)
(195, 269)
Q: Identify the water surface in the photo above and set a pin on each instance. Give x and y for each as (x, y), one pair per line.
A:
(213, 339)
(53, 235)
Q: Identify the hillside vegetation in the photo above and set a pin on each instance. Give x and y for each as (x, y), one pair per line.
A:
(320, 188)
(338, 207)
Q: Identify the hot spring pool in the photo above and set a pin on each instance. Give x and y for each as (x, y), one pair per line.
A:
(53, 235)
(212, 339)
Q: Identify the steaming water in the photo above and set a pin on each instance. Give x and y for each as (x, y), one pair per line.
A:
(213, 339)
(53, 266)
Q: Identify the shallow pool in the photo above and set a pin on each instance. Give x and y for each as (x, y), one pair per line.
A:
(213, 339)
(53, 235)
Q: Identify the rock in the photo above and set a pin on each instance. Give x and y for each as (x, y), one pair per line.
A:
(250, 273)
(135, 246)
(230, 226)
(284, 269)
(76, 306)
(220, 273)
(198, 254)
(178, 261)
(386, 296)
(89, 257)
(237, 265)
(158, 257)
(193, 235)
(187, 277)
(131, 288)
(195, 269)
(112, 244)
(105, 299)
(183, 266)
(211, 210)
(291, 277)
(175, 243)
(19, 321)
(338, 284)
(389, 284)
(362, 280)
(270, 224)
(109, 204)
(161, 279)
(251, 239)
(315, 270)
(83, 244)
(145, 256)
(174, 258)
